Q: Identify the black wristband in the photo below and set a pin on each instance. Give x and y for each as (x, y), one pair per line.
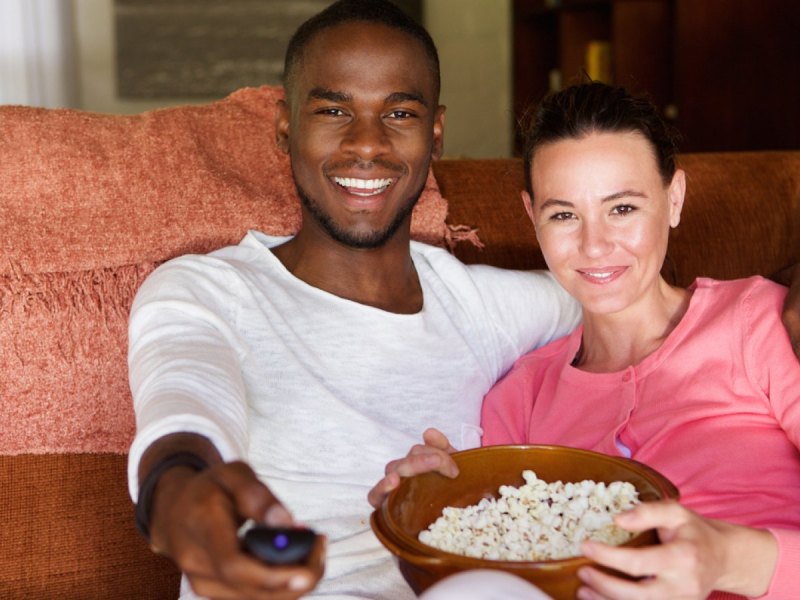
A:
(144, 505)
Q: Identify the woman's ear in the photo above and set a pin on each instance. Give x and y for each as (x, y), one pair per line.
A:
(526, 200)
(675, 194)
(282, 126)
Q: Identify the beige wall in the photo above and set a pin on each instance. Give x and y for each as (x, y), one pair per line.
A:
(94, 32)
(474, 41)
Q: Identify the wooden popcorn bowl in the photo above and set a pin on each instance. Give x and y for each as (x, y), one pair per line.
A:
(419, 501)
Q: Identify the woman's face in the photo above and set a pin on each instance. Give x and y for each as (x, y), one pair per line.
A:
(602, 216)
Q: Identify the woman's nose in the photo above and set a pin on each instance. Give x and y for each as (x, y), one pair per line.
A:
(595, 239)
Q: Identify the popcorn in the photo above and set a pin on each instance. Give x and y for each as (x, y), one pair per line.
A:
(537, 521)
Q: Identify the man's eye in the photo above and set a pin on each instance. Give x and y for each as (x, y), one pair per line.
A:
(332, 112)
(400, 114)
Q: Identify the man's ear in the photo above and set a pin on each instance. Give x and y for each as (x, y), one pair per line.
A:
(282, 126)
(676, 194)
(438, 132)
(526, 200)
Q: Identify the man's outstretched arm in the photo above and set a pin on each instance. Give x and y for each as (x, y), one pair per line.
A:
(196, 505)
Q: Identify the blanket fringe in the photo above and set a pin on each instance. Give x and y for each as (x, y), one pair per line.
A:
(462, 233)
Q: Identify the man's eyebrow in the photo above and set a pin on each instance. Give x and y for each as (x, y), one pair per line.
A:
(319, 93)
(407, 97)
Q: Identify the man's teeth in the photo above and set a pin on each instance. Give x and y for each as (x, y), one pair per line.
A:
(372, 186)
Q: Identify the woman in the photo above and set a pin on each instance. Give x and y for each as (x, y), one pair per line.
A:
(699, 383)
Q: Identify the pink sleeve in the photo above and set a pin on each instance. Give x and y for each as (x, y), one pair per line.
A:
(503, 416)
(776, 371)
(770, 361)
(784, 580)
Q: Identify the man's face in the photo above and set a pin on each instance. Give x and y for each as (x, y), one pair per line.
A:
(361, 126)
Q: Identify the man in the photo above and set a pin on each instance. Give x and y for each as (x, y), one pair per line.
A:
(317, 359)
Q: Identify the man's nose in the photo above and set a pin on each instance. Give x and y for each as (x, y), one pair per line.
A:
(366, 138)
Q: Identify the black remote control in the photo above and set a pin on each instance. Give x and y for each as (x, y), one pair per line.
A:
(279, 545)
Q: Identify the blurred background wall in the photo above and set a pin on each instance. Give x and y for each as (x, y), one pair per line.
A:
(726, 72)
(37, 53)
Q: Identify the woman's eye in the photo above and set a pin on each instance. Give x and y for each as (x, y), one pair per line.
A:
(561, 216)
(623, 209)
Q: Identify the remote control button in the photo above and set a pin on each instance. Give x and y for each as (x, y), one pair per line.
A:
(279, 546)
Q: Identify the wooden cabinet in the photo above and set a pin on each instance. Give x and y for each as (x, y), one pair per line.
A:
(726, 72)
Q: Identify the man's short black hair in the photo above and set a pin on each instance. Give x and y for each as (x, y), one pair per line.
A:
(345, 11)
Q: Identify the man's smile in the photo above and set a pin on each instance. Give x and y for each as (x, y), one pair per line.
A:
(363, 187)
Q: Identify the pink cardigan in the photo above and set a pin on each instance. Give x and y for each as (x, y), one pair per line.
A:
(716, 409)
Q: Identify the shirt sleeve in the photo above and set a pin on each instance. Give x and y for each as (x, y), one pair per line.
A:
(529, 308)
(773, 367)
(770, 362)
(506, 408)
(183, 360)
(784, 579)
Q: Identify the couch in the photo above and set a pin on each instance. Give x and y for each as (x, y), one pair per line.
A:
(90, 204)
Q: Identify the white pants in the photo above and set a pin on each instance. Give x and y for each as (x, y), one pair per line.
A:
(484, 584)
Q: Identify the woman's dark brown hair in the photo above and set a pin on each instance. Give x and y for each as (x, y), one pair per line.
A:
(595, 107)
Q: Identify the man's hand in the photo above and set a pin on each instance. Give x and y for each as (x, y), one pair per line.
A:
(432, 455)
(194, 521)
(696, 555)
(791, 307)
(791, 320)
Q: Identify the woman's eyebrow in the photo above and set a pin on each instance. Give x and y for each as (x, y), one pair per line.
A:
(554, 202)
(624, 194)
(610, 198)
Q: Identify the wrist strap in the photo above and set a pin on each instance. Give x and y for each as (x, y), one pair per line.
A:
(144, 505)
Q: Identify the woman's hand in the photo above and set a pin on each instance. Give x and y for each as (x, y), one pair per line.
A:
(432, 455)
(696, 556)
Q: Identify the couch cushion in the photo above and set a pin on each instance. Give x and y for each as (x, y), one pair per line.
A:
(484, 195)
(68, 532)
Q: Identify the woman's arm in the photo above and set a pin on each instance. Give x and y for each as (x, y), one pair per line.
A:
(698, 554)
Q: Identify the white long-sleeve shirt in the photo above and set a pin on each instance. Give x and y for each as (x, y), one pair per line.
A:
(317, 393)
